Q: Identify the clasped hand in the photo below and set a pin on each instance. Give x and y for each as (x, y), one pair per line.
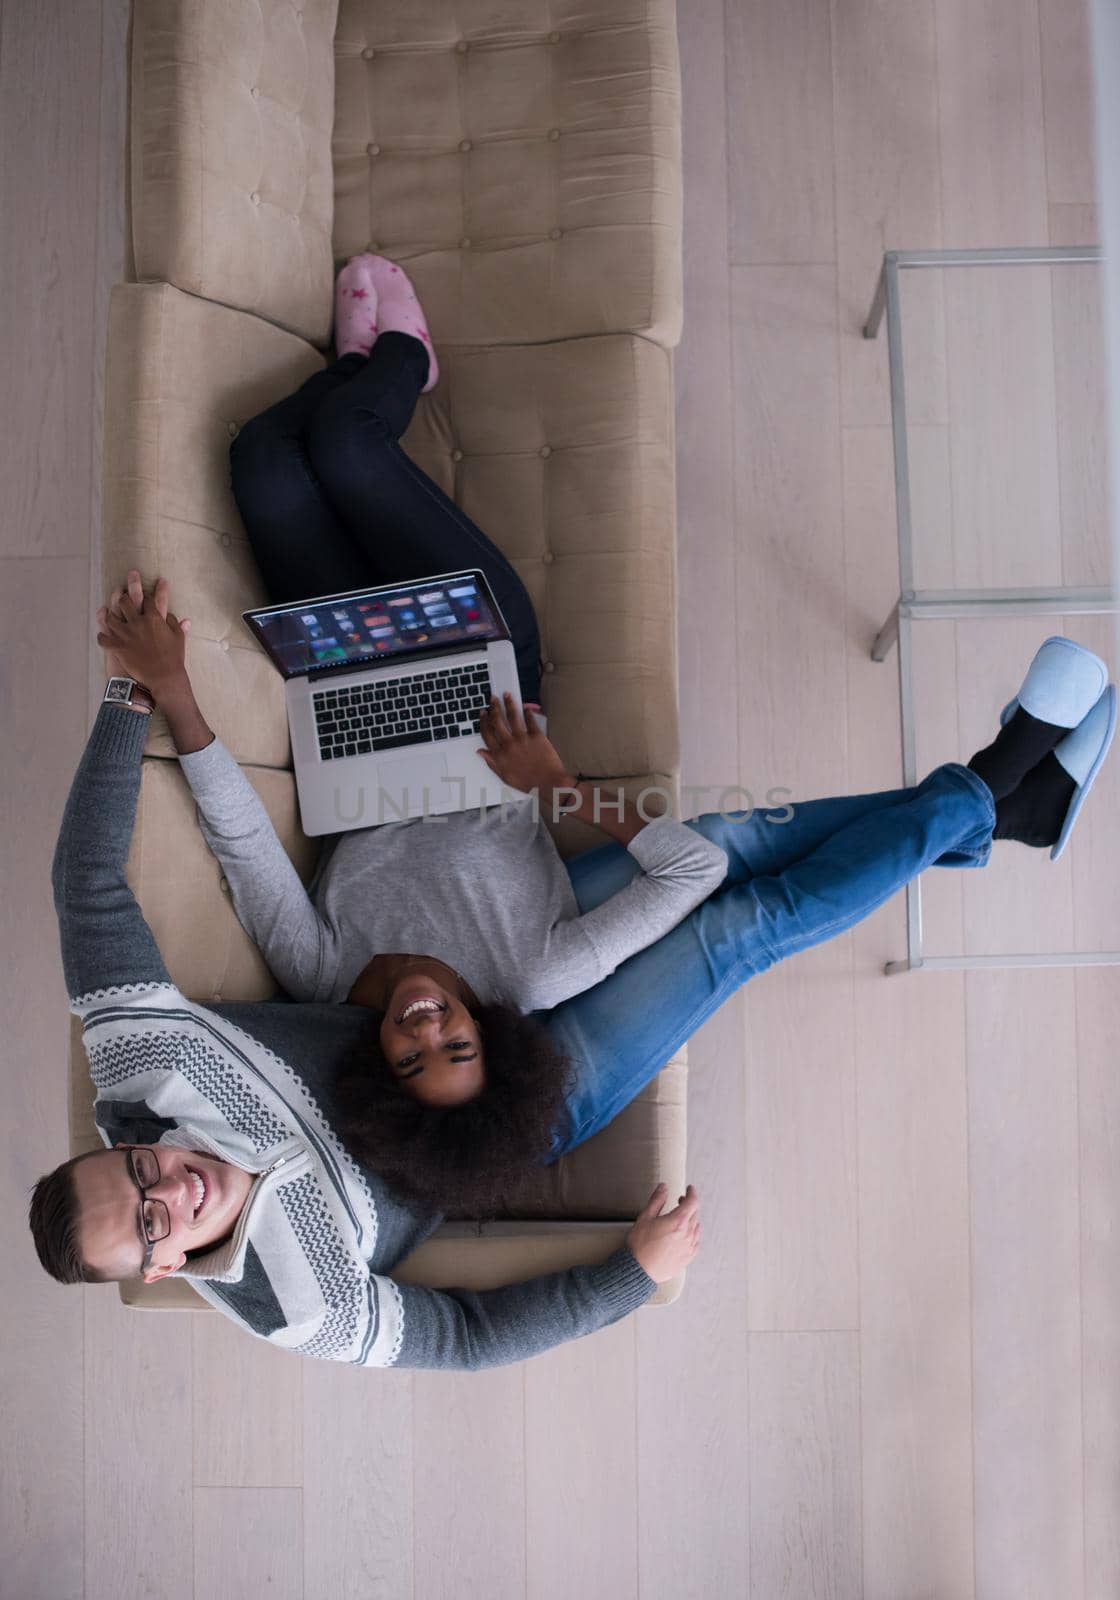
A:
(142, 640)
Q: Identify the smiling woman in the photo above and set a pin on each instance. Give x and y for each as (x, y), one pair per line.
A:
(478, 1150)
(428, 1032)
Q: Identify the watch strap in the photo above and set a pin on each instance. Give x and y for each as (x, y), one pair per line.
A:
(127, 692)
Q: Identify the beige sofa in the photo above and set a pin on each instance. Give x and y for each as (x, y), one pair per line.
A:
(524, 163)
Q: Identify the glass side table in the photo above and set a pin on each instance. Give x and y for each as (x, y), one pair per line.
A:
(917, 605)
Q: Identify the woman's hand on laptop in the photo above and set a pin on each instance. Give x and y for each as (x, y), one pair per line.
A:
(519, 751)
(664, 1242)
(141, 638)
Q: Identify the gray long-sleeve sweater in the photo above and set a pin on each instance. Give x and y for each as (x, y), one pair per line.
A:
(487, 894)
(308, 1265)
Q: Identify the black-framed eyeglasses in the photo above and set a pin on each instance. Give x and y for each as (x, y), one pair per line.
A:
(154, 1220)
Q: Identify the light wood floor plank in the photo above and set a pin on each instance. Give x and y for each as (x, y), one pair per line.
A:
(1022, 1085)
(248, 1410)
(914, 1311)
(694, 1511)
(581, 1469)
(357, 1483)
(915, 1341)
(993, 158)
(247, 1544)
(1074, 224)
(805, 1473)
(111, 266)
(139, 1505)
(1067, 97)
(49, 101)
(887, 198)
(779, 132)
(1082, 414)
(1098, 1026)
(1003, 427)
(788, 485)
(707, 549)
(469, 1483)
(41, 1348)
(802, 1248)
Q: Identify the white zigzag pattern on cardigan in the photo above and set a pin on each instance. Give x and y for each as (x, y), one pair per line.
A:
(150, 1050)
(83, 1000)
(334, 1273)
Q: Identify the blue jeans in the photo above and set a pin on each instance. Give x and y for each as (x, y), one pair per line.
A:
(790, 885)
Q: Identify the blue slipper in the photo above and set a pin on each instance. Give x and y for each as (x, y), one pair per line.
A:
(1062, 685)
(1082, 753)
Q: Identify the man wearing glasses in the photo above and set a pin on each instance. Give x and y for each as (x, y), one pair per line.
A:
(151, 1203)
(223, 1164)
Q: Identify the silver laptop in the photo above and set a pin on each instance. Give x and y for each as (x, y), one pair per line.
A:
(385, 687)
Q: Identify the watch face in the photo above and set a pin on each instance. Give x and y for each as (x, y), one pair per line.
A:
(119, 690)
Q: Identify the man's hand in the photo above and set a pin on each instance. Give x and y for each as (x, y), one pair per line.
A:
(665, 1244)
(519, 751)
(143, 640)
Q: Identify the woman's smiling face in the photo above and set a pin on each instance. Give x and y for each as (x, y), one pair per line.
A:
(429, 1037)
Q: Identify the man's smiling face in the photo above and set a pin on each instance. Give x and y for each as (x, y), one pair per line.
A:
(197, 1198)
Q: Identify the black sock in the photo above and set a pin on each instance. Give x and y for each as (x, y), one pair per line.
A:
(1034, 812)
(1017, 748)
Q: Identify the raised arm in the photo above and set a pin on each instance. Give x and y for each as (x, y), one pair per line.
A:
(270, 900)
(146, 641)
(105, 941)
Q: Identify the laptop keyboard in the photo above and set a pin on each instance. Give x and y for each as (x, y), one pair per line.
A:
(442, 704)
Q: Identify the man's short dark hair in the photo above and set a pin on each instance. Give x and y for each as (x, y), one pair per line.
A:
(470, 1159)
(54, 1222)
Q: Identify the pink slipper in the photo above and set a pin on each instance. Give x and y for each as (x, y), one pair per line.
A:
(355, 307)
(398, 309)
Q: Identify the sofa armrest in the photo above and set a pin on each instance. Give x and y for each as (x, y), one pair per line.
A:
(231, 178)
(460, 1256)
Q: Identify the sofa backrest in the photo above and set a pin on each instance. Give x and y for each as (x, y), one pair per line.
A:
(522, 161)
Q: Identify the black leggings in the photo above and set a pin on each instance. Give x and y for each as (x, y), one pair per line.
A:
(331, 502)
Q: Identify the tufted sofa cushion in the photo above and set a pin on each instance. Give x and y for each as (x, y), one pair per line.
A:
(523, 161)
(231, 181)
(562, 453)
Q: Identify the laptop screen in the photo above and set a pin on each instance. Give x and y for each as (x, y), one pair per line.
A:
(344, 631)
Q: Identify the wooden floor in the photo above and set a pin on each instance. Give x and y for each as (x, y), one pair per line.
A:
(895, 1370)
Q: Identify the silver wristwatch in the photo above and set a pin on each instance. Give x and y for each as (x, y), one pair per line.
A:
(127, 692)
